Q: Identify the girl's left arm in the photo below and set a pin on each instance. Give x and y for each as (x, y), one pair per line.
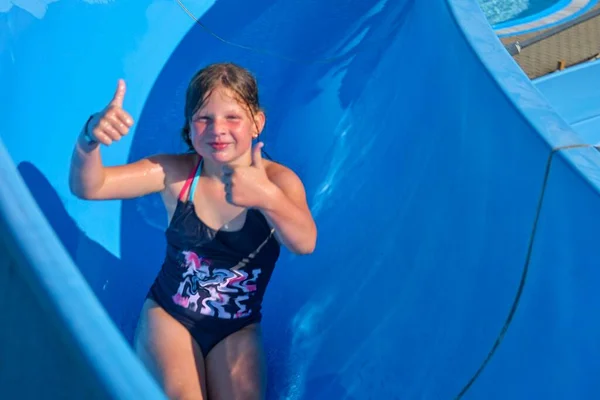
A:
(286, 209)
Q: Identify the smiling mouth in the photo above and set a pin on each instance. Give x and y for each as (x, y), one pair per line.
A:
(219, 146)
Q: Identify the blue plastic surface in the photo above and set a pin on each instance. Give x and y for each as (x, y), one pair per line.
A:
(56, 340)
(575, 94)
(452, 261)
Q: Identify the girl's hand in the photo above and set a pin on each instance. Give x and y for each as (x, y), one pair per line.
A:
(250, 186)
(112, 123)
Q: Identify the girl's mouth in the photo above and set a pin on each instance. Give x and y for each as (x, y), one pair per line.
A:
(219, 146)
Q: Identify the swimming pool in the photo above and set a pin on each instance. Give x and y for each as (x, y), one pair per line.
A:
(500, 11)
(515, 17)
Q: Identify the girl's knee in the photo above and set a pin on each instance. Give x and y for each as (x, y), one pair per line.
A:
(250, 390)
(177, 389)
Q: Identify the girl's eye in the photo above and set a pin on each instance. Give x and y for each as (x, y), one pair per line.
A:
(233, 117)
(201, 118)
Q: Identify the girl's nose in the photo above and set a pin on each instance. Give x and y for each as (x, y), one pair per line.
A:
(218, 126)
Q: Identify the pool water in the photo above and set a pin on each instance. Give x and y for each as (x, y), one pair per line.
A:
(498, 11)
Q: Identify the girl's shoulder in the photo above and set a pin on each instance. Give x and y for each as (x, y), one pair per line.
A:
(274, 168)
(176, 165)
(283, 176)
(177, 169)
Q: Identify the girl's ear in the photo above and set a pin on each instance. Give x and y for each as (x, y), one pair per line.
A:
(259, 122)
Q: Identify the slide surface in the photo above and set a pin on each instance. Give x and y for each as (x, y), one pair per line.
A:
(575, 94)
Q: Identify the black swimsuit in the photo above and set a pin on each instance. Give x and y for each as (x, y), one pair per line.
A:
(213, 281)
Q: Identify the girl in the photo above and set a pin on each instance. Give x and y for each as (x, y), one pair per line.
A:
(229, 210)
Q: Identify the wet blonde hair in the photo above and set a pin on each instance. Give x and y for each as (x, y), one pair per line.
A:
(226, 75)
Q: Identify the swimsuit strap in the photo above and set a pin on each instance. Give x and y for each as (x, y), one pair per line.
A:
(250, 256)
(195, 181)
(189, 181)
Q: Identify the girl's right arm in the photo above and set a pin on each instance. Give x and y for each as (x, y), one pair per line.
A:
(90, 179)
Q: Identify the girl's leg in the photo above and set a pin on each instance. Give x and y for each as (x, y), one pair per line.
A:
(236, 367)
(170, 354)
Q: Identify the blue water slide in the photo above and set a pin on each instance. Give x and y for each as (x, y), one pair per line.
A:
(457, 210)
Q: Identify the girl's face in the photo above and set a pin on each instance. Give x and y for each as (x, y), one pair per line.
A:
(223, 129)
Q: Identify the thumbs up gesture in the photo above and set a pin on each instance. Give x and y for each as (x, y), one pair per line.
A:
(112, 123)
(248, 186)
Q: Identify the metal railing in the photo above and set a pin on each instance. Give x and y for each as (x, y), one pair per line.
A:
(516, 47)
